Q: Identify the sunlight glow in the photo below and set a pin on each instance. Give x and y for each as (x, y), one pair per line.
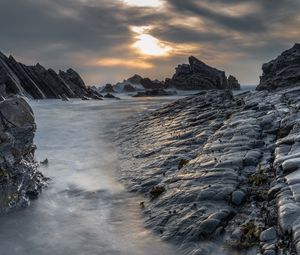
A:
(148, 44)
(144, 3)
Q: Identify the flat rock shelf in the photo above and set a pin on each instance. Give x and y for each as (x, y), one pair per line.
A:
(219, 174)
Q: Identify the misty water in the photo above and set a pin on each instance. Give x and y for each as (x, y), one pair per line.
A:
(85, 209)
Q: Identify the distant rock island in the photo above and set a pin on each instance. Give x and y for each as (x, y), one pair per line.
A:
(199, 76)
(193, 76)
(37, 82)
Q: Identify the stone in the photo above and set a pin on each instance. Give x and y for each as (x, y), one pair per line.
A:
(237, 197)
(268, 235)
(282, 72)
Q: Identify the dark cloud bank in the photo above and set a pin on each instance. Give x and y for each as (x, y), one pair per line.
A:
(237, 36)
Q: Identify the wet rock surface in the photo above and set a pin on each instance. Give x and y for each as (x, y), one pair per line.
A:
(20, 180)
(38, 82)
(229, 168)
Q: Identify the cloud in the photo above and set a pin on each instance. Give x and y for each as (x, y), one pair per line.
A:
(96, 37)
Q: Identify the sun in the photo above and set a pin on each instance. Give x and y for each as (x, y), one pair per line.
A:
(147, 44)
(143, 3)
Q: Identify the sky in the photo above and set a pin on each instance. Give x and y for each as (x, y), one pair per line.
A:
(110, 40)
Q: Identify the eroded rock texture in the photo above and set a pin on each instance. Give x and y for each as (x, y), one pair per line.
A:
(39, 83)
(218, 168)
(283, 71)
(198, 76)
(20, 180)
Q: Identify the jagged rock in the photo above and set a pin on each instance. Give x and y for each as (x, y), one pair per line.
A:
(110, 96)
(155, 92)
(108, 89)
(135, 79)
(20, 180)
(284, 71)
(37, 82)
(233, 83)
(153, 85)
(197, 76)
(129, 88)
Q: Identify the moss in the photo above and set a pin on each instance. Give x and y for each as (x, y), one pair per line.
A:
(250, 233)
(156, 191)
(258, 178)
(182, 163)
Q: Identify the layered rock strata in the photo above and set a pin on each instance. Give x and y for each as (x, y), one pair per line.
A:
(220, 172)
(38, 82)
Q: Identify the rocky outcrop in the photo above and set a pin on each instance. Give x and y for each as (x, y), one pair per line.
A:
(217, 167)
(129, 88)
(233, 83)
(135, 79)
(282, 72)
(149, 84)
(108, 89)
(20, 180)
(39, 83)
(197, 76)
(155, 93)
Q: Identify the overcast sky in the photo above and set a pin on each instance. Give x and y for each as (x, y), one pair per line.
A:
(109, 40)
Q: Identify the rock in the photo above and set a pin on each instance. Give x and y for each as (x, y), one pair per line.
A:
(233, 83)
(237, 197)
(198, 76)
(108, 89)
(110, 96)
(152, 85)
(20, 180)
(37, 82)
(268, 235)
(129, 88)
(284, 71)
(155, 92)
(135, 79)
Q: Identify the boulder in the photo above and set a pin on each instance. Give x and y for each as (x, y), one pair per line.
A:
(282, 72)
(20, 180)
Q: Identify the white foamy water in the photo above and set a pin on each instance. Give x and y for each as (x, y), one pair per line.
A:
(85, 210)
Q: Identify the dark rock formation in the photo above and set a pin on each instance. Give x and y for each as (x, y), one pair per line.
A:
(135, 79)
(150, 84)
(233, 83)
(108, 89)
(19, 179)
(197, 76)
(155, 92)
(129, 88)
(39, 83)
(283, 71)
(110, 96)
